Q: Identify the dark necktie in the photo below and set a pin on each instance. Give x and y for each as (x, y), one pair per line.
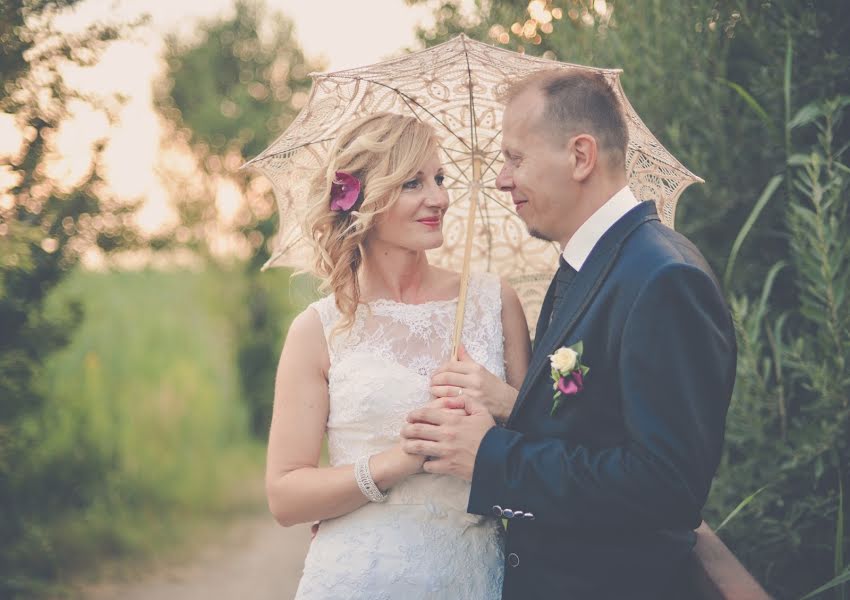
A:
(554, 297)
(563, 279)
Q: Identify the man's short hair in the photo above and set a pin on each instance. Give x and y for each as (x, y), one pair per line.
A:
(579, 102)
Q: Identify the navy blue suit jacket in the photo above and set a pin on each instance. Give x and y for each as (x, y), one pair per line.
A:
(615, 481)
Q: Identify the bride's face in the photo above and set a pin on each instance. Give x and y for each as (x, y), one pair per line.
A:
(415, 221)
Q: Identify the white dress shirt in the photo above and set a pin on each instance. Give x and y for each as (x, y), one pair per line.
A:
(584, 239)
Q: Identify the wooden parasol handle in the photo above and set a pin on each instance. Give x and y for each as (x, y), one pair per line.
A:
(467, 253)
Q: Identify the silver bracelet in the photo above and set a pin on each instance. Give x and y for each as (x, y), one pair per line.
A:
(365, 482)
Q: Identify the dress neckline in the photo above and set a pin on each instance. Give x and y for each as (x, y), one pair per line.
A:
(389, 302)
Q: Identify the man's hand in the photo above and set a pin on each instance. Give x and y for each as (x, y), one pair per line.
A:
(451, 439)
(476, 382)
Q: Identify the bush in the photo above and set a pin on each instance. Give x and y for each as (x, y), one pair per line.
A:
(788, 424)
(142, 429)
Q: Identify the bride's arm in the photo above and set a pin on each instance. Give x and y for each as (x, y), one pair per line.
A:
(298, 490)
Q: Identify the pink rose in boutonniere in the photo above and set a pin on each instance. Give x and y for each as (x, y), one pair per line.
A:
(567, 373)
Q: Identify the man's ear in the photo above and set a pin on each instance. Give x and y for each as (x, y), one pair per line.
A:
(585, 155)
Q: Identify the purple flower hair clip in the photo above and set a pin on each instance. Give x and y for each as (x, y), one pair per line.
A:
(345, 192)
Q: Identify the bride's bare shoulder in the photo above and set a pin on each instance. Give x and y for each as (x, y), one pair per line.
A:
(306, 336)
(306, 322)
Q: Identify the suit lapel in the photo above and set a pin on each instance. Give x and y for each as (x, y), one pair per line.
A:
(581, 293)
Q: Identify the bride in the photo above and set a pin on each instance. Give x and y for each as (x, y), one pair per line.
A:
(356, 362)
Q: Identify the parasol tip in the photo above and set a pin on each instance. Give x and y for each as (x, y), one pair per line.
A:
(273, 259)
(249, 163)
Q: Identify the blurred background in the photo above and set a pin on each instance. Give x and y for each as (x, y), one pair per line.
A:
(138, 340)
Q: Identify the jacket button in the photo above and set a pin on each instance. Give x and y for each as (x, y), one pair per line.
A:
(529, 516)
(497, 510)
(519, 514)
(508, 513)
(513, 559)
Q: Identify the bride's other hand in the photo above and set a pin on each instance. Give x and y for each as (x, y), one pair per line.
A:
(395, 464)
(474, 381)
(399, 464)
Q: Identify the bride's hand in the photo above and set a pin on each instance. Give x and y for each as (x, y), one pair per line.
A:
(474, 381)
(409, 464)
(397, 463)
(393, 465)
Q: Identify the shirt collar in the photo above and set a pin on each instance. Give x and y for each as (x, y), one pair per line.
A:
(584, 239)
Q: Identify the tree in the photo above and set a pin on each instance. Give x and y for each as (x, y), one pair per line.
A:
(45, 227)
(238, 83)
(705, 76)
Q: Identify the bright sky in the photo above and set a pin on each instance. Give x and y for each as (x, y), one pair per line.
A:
(343, 32)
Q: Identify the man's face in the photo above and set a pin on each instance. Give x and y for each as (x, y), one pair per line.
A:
(538, 168)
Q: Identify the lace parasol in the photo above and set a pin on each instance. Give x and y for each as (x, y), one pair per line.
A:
(454, 86)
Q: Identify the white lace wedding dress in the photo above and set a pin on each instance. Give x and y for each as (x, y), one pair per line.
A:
(421, 542)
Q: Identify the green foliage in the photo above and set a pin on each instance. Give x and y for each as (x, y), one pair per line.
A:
(788, 423)
(238, 82)
(263, 325)
(142, 425)
(841, 580)
(235, 86)
(230, 88)
(746, 501)
(765, 197)
(45, 226)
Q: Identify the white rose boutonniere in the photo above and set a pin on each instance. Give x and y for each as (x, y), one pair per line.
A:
(564, 360)
(567, 373)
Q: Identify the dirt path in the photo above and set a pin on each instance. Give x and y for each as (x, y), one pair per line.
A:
(256, 560)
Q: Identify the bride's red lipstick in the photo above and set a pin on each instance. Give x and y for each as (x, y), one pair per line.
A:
(430, 221)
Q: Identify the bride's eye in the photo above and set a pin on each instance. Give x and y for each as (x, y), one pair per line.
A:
(440, 179)
(411, 185)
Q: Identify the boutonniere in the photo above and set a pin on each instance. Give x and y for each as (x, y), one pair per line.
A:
(567, 373)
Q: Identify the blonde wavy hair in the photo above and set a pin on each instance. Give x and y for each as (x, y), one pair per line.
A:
(383, 151)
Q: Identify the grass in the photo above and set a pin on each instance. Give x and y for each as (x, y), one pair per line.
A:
(144, 405)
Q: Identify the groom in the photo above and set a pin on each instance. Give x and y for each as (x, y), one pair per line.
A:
(601, 494)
